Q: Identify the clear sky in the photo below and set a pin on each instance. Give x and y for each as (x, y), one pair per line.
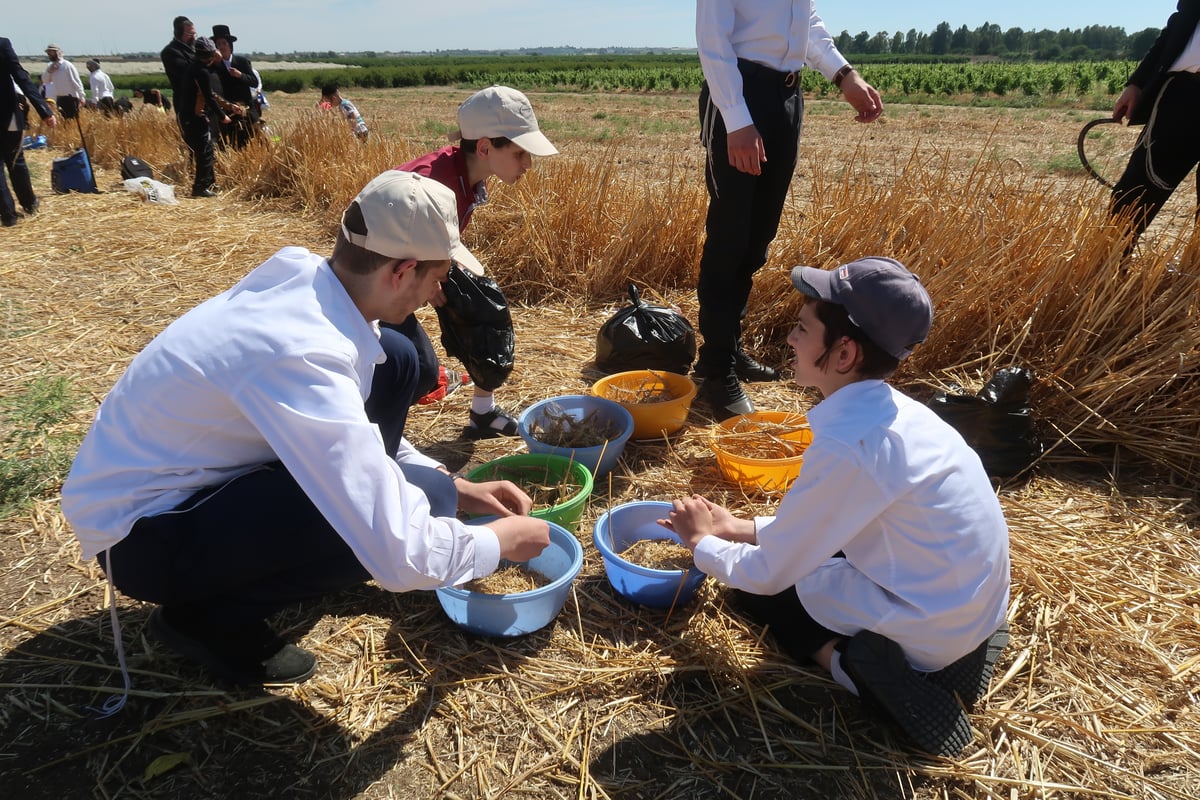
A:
(87, 27)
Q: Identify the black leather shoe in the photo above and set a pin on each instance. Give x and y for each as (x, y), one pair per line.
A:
(725, 397)
(204, 193)
(753, 371)
(33, 209)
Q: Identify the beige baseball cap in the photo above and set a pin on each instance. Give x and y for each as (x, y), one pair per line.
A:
(501, 111)
(410, 216)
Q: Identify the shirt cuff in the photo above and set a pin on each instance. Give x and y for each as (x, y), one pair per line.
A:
(487, 549)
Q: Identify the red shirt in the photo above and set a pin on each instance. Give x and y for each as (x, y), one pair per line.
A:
(448, 166)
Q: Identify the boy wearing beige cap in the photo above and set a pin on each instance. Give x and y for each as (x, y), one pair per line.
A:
(500, 136)
(887, 561)
(235, 469)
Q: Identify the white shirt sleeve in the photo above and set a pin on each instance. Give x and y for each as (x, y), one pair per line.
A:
(714, 44)
(831, 501)
(323, 437)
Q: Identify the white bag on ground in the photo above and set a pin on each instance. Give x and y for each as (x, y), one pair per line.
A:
(152, 191)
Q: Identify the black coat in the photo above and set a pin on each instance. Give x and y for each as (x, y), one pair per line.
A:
(176, 57)
(237, 90)
(8, 94)
(1151, 73)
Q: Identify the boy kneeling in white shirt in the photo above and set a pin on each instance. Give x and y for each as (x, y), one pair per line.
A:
(887, 562)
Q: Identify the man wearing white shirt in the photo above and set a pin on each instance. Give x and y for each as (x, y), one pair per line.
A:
(751, 107)
(61, 83)
(251, 457)
(101, 87)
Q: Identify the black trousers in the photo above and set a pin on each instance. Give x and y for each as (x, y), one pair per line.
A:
(68, 106)
(198, 137)
(796, 632)
(14, 165)
(743, 210)
(1167, 150)
(236, 553)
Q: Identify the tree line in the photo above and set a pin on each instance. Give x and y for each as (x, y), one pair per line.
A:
(1093, 43)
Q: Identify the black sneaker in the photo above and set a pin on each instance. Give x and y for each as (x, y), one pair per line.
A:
(753, 371)
(247, 656)
(496, 422)
(928, 715)
(970, 676)
(725, 397)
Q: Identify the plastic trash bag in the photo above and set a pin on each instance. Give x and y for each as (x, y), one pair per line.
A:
(152, 191)
(997, 422)
(644, 336)
(477, 327)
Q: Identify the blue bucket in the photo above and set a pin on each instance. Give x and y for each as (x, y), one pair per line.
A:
(521, 612)
(72, 173)
(622, 526)
(599, 459)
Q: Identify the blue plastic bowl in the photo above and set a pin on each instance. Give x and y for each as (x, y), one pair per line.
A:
(600, 459)
(622, 526)
(521, 612)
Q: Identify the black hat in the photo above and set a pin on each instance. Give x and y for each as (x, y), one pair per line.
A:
(222, 32)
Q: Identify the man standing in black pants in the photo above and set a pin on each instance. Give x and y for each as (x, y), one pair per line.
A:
(196, 104)
(12, 128)
(178, 54)
(751, 108)
(1163, 94)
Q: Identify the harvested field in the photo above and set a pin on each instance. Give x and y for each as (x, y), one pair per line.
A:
(1096, 695)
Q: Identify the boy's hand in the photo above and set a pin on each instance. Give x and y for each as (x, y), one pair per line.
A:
(493, 498)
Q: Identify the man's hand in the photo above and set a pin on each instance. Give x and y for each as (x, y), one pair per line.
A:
(492, 498)
(862, 96)
(50, 121)
(521, 538)
(746, 150)
(1126, 103)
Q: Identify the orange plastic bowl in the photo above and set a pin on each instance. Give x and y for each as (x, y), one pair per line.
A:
(744, 446)
(654, 418)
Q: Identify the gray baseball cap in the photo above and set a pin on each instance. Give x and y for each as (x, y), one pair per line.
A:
(880, 295)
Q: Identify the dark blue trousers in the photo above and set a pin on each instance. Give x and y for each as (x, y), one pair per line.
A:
(239, 552)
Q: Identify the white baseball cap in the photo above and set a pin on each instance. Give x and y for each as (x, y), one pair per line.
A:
(499, 111)
(410, 216)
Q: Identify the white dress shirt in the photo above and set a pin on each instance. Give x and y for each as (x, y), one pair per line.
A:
(901, 495)
(100, 84)
(276, 368)
(784, 36)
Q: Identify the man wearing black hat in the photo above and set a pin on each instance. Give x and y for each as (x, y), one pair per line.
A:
(12, 116)
(238, 85)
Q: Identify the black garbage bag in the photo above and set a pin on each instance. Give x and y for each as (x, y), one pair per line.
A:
(477, 327)
(644, 336)
(997, 422)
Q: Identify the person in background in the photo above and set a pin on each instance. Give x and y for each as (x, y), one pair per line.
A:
(1163, 93)
(331, 98)
(60, 81)
(199, 110)
(500, 136)
(251, 457)
(16, 92)
(153, 98)
(751, 52)
(178, 54)
(101, 87)
(887, 561)
(239, 84)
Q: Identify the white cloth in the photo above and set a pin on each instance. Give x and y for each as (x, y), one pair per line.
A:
(277, 367)
(62, 80)
(784, 36)
(901, 495)
(100, 84)
(1189, 59)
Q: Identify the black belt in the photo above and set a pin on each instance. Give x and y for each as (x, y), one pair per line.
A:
(761, 72)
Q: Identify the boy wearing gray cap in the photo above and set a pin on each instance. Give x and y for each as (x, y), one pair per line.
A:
(887, 561)
(235, 469)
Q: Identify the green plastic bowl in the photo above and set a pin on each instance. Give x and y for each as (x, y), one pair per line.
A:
(530, 470)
